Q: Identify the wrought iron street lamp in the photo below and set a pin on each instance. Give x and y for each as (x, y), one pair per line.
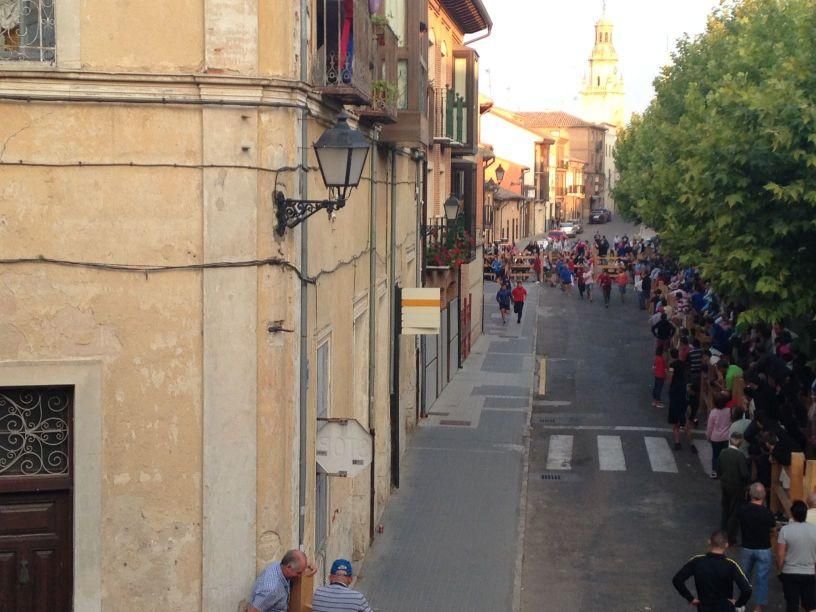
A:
(500, 174)
(451, 206)
(341, 154)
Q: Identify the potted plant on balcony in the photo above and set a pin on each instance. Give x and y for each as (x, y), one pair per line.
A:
(384, 94)
(452, 251)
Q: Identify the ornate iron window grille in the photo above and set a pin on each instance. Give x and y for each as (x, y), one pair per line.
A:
(27, 30)
(34, 431)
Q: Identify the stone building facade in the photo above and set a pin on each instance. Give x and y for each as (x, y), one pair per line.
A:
(175, 349)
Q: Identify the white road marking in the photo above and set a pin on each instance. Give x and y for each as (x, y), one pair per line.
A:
(552, 403)
(704, 454)
(660, 455)
(610, 454)
(559, 455)
(542, 376)
(623, 428)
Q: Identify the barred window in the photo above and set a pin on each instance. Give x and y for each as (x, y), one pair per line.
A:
(27, 30)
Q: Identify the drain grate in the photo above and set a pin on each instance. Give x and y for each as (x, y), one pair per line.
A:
(454, 423)
(560, 477)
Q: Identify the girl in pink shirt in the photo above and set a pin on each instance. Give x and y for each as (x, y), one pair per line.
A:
(718, 429)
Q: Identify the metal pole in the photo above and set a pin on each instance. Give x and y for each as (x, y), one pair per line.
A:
(304, 293)
(372, 334)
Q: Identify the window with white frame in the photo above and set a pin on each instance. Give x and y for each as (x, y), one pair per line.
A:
(27, 30)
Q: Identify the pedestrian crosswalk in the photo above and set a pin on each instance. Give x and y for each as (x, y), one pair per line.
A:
(610, 454)
(611, 457)
(559, 455)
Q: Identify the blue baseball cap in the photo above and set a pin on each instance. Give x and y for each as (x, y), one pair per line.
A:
(341, 567)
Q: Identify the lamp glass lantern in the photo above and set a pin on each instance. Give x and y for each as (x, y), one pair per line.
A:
(500, 174)
(341, 154)
(452, 208)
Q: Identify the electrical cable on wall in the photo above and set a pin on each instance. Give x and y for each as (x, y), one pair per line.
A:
(180, 166)
(151, 269)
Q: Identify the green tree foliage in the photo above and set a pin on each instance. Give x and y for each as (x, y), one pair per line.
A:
(723, 162)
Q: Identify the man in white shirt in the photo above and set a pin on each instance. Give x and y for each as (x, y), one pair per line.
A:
(796, 559)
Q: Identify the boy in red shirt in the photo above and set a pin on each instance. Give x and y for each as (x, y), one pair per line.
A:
(622, 279)
(605, 281)
(519, 294)
(659, 371)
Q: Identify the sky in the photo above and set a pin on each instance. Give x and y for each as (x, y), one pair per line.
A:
(538, 52)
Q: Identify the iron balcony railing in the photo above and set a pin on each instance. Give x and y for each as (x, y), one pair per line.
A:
(341, 66)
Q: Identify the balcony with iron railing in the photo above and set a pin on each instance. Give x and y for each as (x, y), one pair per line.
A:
(384, 90)
(448, 244)
(342, 61)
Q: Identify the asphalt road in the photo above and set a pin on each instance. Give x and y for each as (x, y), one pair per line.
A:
(611, 513)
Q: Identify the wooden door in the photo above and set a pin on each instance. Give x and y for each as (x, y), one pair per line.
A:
(36, 523)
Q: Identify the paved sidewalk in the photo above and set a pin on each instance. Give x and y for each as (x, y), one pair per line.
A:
(451, 539)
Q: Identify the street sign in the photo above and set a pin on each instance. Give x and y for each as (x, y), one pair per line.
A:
(421, 311)
(343, 448)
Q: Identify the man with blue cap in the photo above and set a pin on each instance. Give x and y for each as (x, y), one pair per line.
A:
(338, 596)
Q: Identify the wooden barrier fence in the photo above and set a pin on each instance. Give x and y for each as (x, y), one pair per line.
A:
(801, 475)
(521, 268)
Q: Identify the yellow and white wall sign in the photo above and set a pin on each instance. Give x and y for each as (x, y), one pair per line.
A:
(421, 310)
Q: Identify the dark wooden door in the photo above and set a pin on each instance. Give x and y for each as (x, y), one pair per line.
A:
(36, 548)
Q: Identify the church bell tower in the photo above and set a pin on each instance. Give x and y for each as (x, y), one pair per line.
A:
(602, 97)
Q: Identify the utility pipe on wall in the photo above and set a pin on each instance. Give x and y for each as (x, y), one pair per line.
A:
(304, 292)
(395, 327)
(372, 333)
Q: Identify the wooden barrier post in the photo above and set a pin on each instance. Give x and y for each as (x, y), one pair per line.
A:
(810, 477)
(776, 470)
(300, 598)
(796, 471)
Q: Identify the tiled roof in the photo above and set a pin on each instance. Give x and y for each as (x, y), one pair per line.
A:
(504, 195)
(557, 119)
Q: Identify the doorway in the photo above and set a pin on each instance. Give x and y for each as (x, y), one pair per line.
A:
(36, 499)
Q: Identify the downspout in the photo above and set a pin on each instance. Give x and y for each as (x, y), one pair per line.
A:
(483, 12)
(421, 193)
(304, 289)
(372, 331)
(422, 217)
(481, 36)
(395, 326)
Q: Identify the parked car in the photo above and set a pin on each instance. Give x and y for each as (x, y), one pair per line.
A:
(568, 228)
(600, 215)
(578, 225)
